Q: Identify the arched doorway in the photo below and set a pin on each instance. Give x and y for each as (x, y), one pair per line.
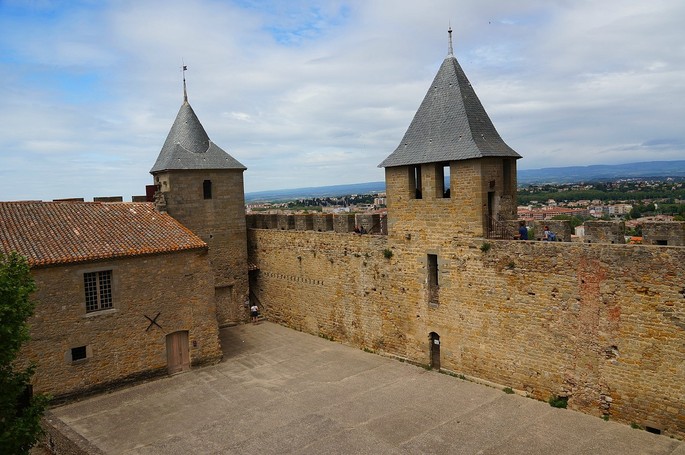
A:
(434, 350)
(177, 355)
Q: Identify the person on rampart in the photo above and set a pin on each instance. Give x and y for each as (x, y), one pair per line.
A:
(523, 231)
(549, 235)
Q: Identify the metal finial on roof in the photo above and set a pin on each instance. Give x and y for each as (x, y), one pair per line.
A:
(450, 51)
(184, 68)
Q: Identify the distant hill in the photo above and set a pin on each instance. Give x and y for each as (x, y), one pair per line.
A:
(569, 174)
(573, 174)
(321, 191)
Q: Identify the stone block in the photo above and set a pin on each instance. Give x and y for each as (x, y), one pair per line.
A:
(323, 223)
(344, 222)
(286, 222)
(304, 222)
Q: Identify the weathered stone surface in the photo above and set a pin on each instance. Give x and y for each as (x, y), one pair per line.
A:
(550, 318)
(220, 222)
(664, 233)
(605, 232)
(173, 289)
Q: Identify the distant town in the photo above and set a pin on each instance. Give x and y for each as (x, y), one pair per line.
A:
(633, 200)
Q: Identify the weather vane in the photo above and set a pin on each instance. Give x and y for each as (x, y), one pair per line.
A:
(184, 68)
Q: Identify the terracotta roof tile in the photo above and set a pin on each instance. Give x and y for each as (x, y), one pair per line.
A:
(62, 232)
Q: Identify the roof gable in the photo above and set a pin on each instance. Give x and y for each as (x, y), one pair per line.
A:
(188, 146)
(450, 125)
(65, 232)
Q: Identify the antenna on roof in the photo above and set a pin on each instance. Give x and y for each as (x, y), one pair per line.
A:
(450, 51)
(184, 68)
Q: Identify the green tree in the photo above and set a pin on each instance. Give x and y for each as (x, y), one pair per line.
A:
(20, 412)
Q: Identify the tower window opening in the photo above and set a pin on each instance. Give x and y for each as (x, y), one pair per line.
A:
(207, 189)
(443, 181)
(416, 184)
(506, 177)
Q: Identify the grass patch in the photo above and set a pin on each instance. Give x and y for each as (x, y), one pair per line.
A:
(387, 253)
(558, 402)
(485, 247)
(508, 390)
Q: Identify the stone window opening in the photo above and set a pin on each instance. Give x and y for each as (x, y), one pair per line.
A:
(415, 184)
(207, 189)
(79, 353)
(442, 181)
(653, 430)
(506, 177)
(433, 285)
(98, 290)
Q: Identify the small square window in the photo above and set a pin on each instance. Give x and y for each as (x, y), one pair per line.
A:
(78, 353)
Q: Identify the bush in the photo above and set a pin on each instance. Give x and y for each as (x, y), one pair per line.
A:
(20, 410)
(558, 402)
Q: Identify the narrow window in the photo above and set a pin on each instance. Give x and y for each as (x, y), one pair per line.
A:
(661, 242)
(207, 189)
(78, 353)
(433, 278)
(418, 194)
(506, 177)
(446, 190)
(98, 288)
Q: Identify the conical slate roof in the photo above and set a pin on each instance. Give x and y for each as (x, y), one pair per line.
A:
(450, 125)
(188, 147)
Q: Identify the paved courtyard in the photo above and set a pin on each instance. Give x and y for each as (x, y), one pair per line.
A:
(280, 391)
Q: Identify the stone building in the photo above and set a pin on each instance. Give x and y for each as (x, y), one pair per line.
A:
(599, 325)
(452, 171)
(123, 293)
(201, 186)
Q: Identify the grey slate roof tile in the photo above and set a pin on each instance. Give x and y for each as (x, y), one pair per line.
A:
(187, 146)
(450, 125)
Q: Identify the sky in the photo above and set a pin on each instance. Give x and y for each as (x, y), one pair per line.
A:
(312, 93)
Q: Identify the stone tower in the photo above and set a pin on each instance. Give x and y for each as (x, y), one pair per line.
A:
(201, 186)
(452, 174)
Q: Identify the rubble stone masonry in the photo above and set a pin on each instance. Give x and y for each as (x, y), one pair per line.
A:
(601, 324)
(220, 222)
(174, 290)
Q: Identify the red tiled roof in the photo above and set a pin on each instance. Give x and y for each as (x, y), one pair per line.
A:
(62, 232)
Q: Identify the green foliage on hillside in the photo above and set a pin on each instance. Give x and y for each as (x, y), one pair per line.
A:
(665, 191)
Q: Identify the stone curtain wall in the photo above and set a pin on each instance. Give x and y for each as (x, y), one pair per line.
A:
(603, 325)
(178, 286)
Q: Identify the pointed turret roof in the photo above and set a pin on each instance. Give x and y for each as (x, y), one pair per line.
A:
(188, 147)
(450, 125)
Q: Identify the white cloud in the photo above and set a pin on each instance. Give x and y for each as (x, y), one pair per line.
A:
(312, 93)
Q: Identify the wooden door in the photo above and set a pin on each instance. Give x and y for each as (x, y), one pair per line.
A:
(435, 350)
(178, 357)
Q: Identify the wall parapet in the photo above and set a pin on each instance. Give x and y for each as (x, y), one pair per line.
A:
(671, 233)
(373, 223)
